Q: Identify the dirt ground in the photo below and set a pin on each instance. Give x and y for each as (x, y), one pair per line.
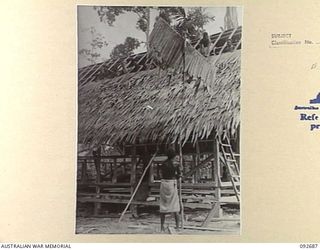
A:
(149, 223)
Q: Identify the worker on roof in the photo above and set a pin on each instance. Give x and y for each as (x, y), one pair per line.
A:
(169, 199)
(204, 44)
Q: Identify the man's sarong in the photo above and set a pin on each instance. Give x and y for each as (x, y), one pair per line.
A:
(169, 199)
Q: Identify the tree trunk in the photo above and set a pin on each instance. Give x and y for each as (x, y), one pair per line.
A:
(148, 28)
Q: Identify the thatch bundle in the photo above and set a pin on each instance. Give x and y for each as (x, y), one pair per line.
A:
(154, 105)
(167, 46)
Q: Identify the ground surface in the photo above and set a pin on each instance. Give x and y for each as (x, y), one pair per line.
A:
(149, 223)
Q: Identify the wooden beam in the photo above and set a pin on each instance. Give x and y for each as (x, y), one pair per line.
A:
(127, 195)
(142, 58)
(210, 229)
(192, 205)
(200, 165)
(115, 62)
(212, 47)
(201, 186)
(223, 47)
(90, 70)
(92, 74)
(213, 212)
(83, 71)
(237, 46)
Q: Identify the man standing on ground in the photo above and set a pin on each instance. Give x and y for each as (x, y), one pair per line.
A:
(169, 199)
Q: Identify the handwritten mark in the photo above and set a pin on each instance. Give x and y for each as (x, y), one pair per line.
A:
(314, 65)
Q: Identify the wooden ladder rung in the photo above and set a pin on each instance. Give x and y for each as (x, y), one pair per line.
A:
(231, 163)
(232, 160)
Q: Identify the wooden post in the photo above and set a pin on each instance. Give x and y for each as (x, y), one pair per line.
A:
(194, 165)
(151, 174)
(84, 175)
(148, 27)
(218, 210)
(158, 170)
(214, 159)
(97, 163)
(212, 168)
(114, 171)
(133, 178)
(197, 174)
(180, 186)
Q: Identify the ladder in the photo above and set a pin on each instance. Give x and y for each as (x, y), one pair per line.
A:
(228, 157)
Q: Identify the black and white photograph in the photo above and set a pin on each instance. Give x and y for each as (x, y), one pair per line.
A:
(158, 140)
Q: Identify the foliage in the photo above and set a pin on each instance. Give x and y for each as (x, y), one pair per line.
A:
(126, 48)
(108, 14)
(167, 13)
(199, 17)
(97, 43)
(190, 23)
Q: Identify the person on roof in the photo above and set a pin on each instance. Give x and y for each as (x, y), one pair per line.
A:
(169, 199)
(204, 44)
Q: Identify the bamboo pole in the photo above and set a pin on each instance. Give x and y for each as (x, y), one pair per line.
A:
(138, 185)
(210, 229)
(180, 188)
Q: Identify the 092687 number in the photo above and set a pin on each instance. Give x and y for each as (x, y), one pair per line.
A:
(308, 245)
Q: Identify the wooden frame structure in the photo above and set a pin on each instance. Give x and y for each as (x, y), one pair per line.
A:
(203, 186)
(139, 62)
(209, 181)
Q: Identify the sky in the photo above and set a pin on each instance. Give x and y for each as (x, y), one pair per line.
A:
(125, 25)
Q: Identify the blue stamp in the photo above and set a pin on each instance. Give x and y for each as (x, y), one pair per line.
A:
(316, 100)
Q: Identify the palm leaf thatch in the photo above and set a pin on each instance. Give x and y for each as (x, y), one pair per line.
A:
(115, 67)
(155, 105)
(167, 46)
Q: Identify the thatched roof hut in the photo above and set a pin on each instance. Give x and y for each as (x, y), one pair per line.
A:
(151, 104)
